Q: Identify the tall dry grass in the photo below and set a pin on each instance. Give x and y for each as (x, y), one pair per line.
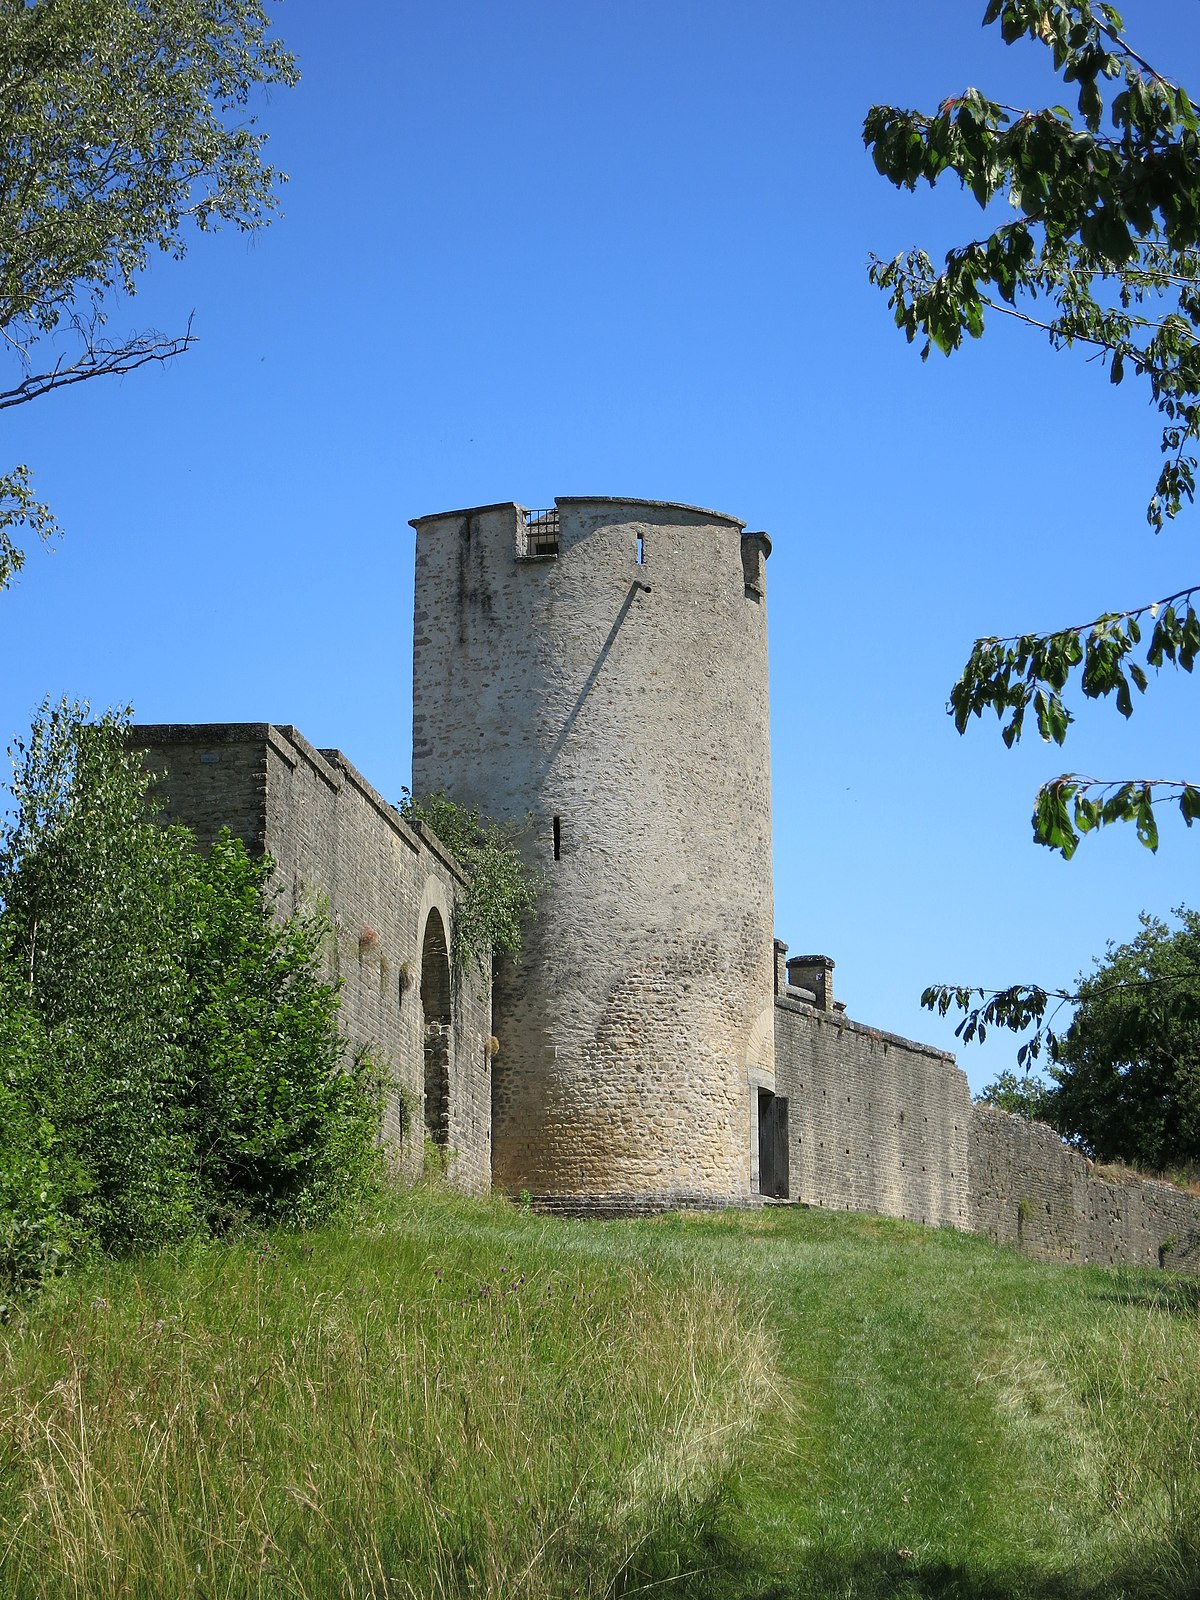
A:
(393, 1415)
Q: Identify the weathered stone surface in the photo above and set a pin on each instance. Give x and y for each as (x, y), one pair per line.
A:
(617, 707)
(876, 1122)
(1028, 1189)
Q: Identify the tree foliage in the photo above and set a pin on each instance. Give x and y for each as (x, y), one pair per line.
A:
(1127, 1069)
(1021, 1095)
(123, 125)
(501, 891)
(169, 1054)
(1100, 248)
(1125, 1073)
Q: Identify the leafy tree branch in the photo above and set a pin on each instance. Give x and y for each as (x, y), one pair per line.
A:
(1008, 675)
(20, 508)
(1068, 807)
(1016, 1007)
(1103, 251)
(124, 125)
(1022, 1004)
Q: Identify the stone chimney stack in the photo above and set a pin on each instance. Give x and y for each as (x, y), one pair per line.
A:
(814, 973)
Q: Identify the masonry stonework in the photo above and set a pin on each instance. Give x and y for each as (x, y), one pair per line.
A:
(877, 1123)
(1029, 1190)
(596, 675)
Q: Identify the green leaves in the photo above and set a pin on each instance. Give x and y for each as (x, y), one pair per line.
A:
(1008, 676)
(123, 124)
(1072, 805)
(501, 892)
(177, 1042)
(1106, 250)
(1017, 1008)
(1128, 1068)
(124, 121)
(1025, 1096)
(19, 508)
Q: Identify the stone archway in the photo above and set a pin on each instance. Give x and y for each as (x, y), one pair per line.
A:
(435, 1011)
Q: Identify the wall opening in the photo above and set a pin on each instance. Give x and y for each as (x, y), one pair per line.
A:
(557, 838)
(641, 549)
(541, 535)
(435, 1011)
(772, 1145)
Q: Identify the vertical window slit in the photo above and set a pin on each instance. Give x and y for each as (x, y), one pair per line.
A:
(641, 550)
(557, 839)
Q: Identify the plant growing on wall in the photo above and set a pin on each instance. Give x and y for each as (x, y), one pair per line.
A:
(501, 891)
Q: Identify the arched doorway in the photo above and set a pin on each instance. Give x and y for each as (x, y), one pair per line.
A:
(435, 1009)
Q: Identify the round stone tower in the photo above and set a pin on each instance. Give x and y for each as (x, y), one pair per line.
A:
(597, 673)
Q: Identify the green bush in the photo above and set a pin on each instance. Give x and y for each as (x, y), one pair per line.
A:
(37, 1235)
(280, 1131)
(91, 889)
(169, 1056)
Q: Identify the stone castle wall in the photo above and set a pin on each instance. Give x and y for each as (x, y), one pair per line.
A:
(1029, 1190)
(875, 1122)
(338, 845)
(598, 675)
(881, 1124)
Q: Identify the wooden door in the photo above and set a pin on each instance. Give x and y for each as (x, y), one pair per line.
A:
(772, 1146)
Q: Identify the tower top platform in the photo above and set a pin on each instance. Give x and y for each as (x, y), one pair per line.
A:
(617, 502)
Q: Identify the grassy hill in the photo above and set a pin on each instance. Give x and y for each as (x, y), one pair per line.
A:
(466, 1399)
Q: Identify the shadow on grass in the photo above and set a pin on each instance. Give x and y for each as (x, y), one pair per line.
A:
(708, 1566)
(1180, 1296)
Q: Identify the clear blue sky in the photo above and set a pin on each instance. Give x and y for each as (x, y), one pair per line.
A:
(619, 247)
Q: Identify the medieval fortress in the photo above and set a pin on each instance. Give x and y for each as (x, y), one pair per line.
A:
(596, 674)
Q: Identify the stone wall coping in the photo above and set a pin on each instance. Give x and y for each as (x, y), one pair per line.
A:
(414, 834)
(583, 500)
(652, 505)
(833, 1019)
(465, 511)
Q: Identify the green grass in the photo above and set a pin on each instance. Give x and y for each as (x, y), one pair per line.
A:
(466, 1399)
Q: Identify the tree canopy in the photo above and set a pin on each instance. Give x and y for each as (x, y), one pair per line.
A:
(124, 124)
(1099, 247)
(1125, 1075)
(1128, 1068)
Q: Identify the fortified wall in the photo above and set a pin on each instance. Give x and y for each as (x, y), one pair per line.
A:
(1030, 1190)
(596, 674)
(876, 1122)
